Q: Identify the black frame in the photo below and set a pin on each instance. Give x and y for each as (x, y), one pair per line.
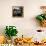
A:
(17, 11)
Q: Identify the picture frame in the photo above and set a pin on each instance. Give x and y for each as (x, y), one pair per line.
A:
(17, 11)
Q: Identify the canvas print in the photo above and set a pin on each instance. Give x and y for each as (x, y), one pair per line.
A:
(17, 11)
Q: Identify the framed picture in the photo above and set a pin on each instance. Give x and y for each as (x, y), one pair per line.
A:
(17, 11)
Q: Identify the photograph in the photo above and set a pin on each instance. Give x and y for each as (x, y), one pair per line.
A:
(17, 11)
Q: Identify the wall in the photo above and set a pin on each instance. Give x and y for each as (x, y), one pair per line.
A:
(25, 25)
